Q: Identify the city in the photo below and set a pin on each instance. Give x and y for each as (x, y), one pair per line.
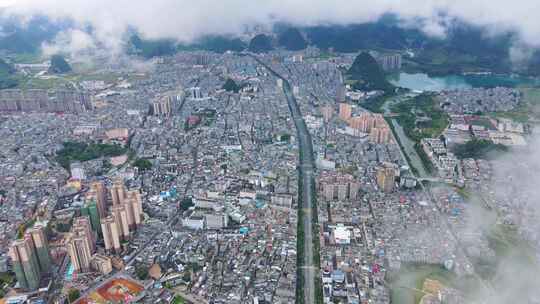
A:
(267, 174)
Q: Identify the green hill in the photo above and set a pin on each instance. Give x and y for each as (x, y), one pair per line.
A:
(292, 40)
(59, 65)
(6, 75)
(367, 74)
(260, 44)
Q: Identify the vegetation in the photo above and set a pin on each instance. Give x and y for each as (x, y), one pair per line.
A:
(421, 117)
(73, 295)
(367, 74)
(186, 203)
(260, 44)
(178, 300)
(220, 44)
(142, 272)
(59, 65)
(231, 86)
(23, 227)
(77, 151)
(292, 40)
(143, 164)
(478, 148)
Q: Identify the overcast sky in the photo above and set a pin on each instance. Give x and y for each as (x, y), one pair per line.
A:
(186, 20)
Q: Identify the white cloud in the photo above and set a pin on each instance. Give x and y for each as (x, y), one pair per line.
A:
(185, 20)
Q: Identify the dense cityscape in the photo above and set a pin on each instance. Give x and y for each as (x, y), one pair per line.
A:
(265, 176)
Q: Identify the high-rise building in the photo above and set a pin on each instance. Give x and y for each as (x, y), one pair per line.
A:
(162, 106)
(135, 202)
(386, 177)
(83, 226)
(340, 93)
(118, 191)
(41, 244)
(111, 234)
(380, 135)
(345, 111)
(196, 93)
(121, 218)
(99, 193)
(91, 211)
(77, 171)
(327, 113)
(81, 244)
(342, 191)
(25, 263)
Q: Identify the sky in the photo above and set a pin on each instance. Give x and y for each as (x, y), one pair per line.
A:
(186, 20)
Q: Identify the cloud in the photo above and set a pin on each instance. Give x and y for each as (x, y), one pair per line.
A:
(186, 20)
(72, 41)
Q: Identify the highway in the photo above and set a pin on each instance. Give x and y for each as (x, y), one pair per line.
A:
(306, 173)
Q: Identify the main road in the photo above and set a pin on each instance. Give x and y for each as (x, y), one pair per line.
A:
(306, 169)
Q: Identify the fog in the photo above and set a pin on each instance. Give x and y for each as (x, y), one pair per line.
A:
(186, 20)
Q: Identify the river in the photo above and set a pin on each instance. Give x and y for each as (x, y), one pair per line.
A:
(424, 82)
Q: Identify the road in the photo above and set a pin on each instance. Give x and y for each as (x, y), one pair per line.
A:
(306, 173)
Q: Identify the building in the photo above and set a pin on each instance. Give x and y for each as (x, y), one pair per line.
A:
(120, 216)
(386, 177)
(91, 211)
(65, 101)
(340, 93)
(77, 171)
(388, 62)
(345, 111)
(134, 200)
(98, 192)
(118, 192)
(101, 263)
(41, 244)
(162, 106)
(25, 263)
(327, 113)
(111, 234)
(380, 135)
(81, 244)
(196, 93)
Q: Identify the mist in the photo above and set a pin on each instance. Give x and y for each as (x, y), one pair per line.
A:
(185, 20)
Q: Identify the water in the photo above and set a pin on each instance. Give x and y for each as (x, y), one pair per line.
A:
(423, 82)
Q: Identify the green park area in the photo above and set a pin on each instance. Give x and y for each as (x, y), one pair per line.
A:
(77, 151)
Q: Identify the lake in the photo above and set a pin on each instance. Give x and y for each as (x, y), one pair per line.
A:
(423, 82)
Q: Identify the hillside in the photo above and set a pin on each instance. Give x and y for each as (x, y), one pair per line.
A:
(59, 65)
(260, 44)
(6, 75)
(292, 40)
(367, 74)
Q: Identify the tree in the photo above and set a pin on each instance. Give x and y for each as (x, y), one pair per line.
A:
(73, 295)
(186, 203)
(143, 164)
(231, 86)
(142, 272)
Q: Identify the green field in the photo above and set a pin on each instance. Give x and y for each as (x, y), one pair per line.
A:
(406, 284)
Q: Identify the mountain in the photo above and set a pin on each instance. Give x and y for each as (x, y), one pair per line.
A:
(18, 36)
(292, 40)
(368, 74)
(59, 65)
(6, 75)
(151, 48)
(220, 44)
(260, 44)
